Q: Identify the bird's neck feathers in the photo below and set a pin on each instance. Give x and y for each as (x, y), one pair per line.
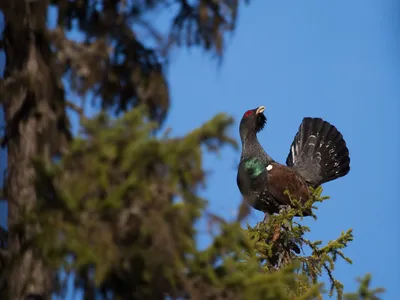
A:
(251, 147)
(248, 137)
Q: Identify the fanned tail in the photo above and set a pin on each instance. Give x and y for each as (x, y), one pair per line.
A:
(319, 152)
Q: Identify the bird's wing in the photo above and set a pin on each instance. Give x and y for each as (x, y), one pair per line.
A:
(243, 180)
(281, 178)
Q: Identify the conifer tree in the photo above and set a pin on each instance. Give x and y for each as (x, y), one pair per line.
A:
(116, 204)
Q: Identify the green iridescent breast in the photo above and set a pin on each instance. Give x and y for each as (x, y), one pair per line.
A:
(254, 167)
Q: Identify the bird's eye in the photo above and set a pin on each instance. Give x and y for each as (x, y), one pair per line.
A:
(248, 113)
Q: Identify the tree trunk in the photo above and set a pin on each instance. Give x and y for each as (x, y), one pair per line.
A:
(27, 92)
(28, 276)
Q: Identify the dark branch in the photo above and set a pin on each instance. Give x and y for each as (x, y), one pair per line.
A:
(76, 108)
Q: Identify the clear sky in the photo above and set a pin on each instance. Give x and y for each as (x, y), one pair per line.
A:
(339, 60)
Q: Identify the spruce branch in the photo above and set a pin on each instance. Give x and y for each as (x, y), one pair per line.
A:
(279, 250)
(364, 292)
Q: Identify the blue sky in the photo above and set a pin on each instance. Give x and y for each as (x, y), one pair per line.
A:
(339, 60)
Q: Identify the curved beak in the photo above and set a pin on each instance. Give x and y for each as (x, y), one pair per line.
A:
(260, 110)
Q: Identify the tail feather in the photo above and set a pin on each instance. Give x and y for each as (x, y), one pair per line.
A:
(319, 152)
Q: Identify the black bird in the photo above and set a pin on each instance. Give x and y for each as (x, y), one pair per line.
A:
(317, 155)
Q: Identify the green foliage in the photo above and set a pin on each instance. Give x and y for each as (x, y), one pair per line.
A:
(276, 240)
(119, 195)
(364, 292)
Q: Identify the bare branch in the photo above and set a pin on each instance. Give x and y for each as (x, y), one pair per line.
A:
(76, 108)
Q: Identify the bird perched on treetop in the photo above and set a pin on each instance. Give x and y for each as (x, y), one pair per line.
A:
(317, 155)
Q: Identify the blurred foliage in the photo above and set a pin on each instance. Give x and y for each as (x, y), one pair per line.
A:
(116, 61)
(364, 292)
(119, 207)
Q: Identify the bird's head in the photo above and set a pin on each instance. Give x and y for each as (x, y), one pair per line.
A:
(253, 121)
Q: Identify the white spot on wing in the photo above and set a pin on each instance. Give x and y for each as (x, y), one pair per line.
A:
(293, 155)
(269, 167)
